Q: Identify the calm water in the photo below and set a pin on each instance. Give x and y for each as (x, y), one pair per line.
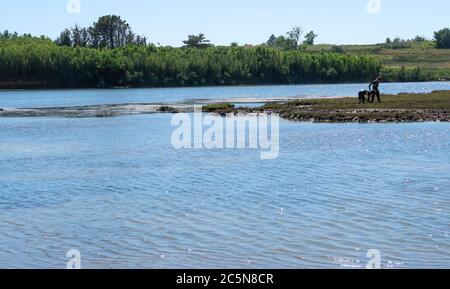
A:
(51, 98)
(116, 190)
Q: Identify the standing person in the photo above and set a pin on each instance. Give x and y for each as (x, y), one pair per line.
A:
(374, 91)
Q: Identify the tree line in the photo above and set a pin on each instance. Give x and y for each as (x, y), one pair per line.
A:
(110, 54)
(292, 40)
(441, 40)
(40, 60)
(108, 32)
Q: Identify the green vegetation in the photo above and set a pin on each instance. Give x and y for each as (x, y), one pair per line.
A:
(168, 109)
(292, 39)
(434, 100)
(442, 38)
(197, 41)
(402, 60)
(434, 106)
(310, 37)
(214, 107)
(38, 62)
(108, 32)
(110, 54)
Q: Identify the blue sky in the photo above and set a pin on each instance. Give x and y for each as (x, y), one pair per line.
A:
(243, 21)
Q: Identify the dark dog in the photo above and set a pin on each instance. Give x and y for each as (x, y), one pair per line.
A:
(363, 96)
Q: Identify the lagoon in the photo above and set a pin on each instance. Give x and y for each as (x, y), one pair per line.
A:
(116, 190)
(76, 97)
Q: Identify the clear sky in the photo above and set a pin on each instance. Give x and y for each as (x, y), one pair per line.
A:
(243, 21)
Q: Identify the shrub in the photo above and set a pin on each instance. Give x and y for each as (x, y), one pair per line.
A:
(217, 107)
(442, 38)
(337, 49)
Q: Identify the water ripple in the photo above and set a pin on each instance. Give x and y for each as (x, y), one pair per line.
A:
(117, 191)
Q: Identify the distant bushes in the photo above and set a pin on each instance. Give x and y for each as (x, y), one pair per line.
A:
(441, 41)
(337, 49)
(398, 43)
(442, 38)
(404, 74)
(218, 107)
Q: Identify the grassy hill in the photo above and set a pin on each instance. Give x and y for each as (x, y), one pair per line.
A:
(422, 58)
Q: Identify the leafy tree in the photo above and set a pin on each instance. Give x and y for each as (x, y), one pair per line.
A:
(197, 41)
(419, 39)
(397, 43)
(310, 37)
(108, 32)
(65, 39)
(272, 41)
(281, 42)
(80, 36)
(141, 40)
(111, 31)
(337, 49)
(442, 38)
(294, 35)
(286, 43)
(5, 35)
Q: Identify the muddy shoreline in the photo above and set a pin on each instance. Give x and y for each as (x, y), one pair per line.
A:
(366, 115)
(431, 107)
(304, 114)
(105, 110)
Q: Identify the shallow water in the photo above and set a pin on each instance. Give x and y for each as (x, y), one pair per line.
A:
(52, 98)
(116, 190)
